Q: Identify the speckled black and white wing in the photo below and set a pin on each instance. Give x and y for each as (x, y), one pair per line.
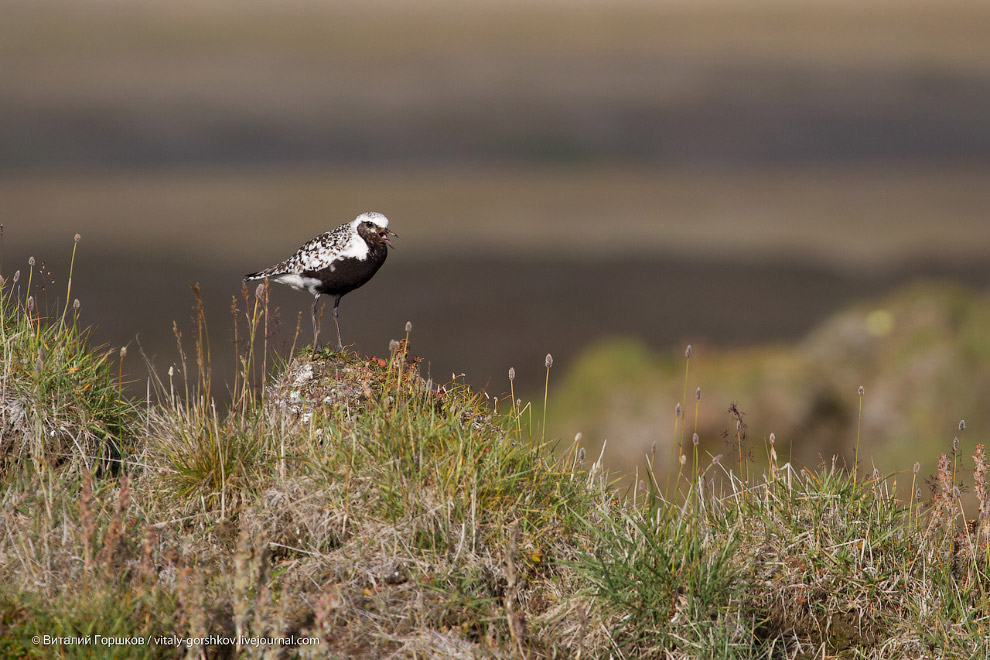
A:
(314, 254)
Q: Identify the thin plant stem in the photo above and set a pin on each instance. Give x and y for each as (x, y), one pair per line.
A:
(512, 406)
(859, 427)
(687, 369)
(68, 287)
(264, 334)
(677, 440)
(546, 391)
(955, 449)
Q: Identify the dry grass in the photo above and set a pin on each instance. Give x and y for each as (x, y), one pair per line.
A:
(379, 525)
(357, 506)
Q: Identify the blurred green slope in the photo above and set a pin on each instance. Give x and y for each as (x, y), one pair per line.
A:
(922, 355)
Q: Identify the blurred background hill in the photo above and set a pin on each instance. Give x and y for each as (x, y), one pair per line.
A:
(722, 173)
(921, 354)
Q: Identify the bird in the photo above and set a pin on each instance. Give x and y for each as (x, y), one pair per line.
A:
(334, 263)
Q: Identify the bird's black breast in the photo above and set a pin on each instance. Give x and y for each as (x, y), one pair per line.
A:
(347, 274)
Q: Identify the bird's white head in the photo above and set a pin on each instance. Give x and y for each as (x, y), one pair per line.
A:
(377, 219)
(372, 221)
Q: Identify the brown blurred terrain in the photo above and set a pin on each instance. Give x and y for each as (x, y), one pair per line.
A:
(725, 172)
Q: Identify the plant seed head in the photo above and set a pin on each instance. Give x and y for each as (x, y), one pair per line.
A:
(17, 276)
(408, 326)
(76, 304)
(917, 466)
(123, 352)
(30, 303)
(917, 494)
(862, 390)
(697, 394)
(687, 351)
(577, 437)
(677, 410)
(955, 444)
(549, 361)
(695, 439)
(653, 448)
(876, 474)
(962, 424)
(30, 261)
(955, 492)
(77, 238)
(393, 345)
(259, 290)
(171, 371)
(683, 459)
(581, 454)
(512, 373)
(773, 438)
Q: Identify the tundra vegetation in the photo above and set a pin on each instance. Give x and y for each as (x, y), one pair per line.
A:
(344, 506)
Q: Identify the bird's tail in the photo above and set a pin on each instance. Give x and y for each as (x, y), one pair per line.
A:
(260, 275)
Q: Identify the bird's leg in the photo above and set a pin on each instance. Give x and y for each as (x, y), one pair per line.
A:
(340, 344)
(316, 329)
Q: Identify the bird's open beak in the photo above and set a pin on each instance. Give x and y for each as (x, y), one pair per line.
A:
(385, 234)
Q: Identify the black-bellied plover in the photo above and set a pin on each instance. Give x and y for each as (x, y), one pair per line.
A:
(334, 263)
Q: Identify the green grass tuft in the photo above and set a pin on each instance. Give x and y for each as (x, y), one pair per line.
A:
(61, 397)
